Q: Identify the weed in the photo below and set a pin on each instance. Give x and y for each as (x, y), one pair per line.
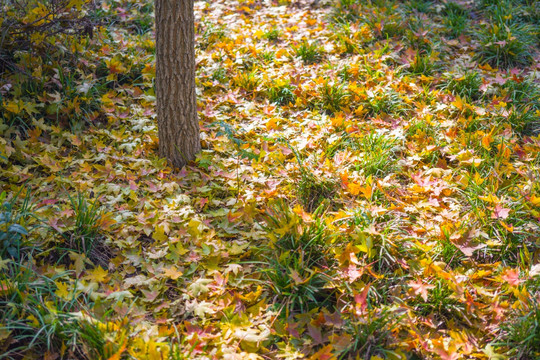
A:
(309, 52)
(37, 321)
(506, 44)
(521, 336)
(466, 85)
(333, 97)
(248, 81)
(371, 334)
(281, 92)
(86, 234)
(273, 34)
(377, 154)
(13, 225)
(422, 64)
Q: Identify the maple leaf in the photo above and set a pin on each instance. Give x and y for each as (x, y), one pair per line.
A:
(172, 272)
(499, 212)
(419, 288)
(511, 277)
(97, 275)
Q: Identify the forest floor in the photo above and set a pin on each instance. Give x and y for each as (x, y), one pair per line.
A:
(368, 188)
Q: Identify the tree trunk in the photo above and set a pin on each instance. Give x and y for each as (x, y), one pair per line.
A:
(178, 127)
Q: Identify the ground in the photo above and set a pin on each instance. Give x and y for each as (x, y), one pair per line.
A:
(368, 188)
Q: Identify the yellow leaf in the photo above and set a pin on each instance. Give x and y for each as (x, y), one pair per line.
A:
(97, 275)
(535, 200)
(272, 124)
(172, 272)
(338, 120)
(14, 107)
(159, 234)
(486, 141)
(354, 188)
(62, 290)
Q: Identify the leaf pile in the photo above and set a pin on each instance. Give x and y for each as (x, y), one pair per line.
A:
(368, 185)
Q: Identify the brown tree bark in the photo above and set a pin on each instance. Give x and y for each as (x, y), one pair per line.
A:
(178, 127)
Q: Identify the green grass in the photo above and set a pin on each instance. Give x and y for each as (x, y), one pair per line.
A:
(273, 34)
(210, 34)
(296, 264)
(371, 334)
(333, 97)
(505, 45)
(386, 101)
(85, 234)
(422, 64)
(456, 18)
(13, 225)
(247, 81)
(466, 85)
(520, 337)
(37, 321)
(281, 92)
(308, 52)
(378, 154)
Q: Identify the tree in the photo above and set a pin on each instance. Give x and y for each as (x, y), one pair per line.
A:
(178, 127)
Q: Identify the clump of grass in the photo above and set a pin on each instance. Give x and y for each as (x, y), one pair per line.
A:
(333, 97)
(422, 64)
(297, 287)
(440, 303)
(281, 92)
(506, 44)
(520, 337)
(37, 321)
(267, 56)
(248, 81)
(346, 11)
(466, 85)
(86, 234)
(272, 34)
(211, 35)
(386, 101)
(524, 97)
(291, 233)
(309, 52)
(297, 269)
(347, 39)
(523, 119)
(421, 6)
(220, 74)
(387, 24)
(456, 18)
(13, 225)
(312, 189)
(377, 154)
(371, 334)
(522, 92)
